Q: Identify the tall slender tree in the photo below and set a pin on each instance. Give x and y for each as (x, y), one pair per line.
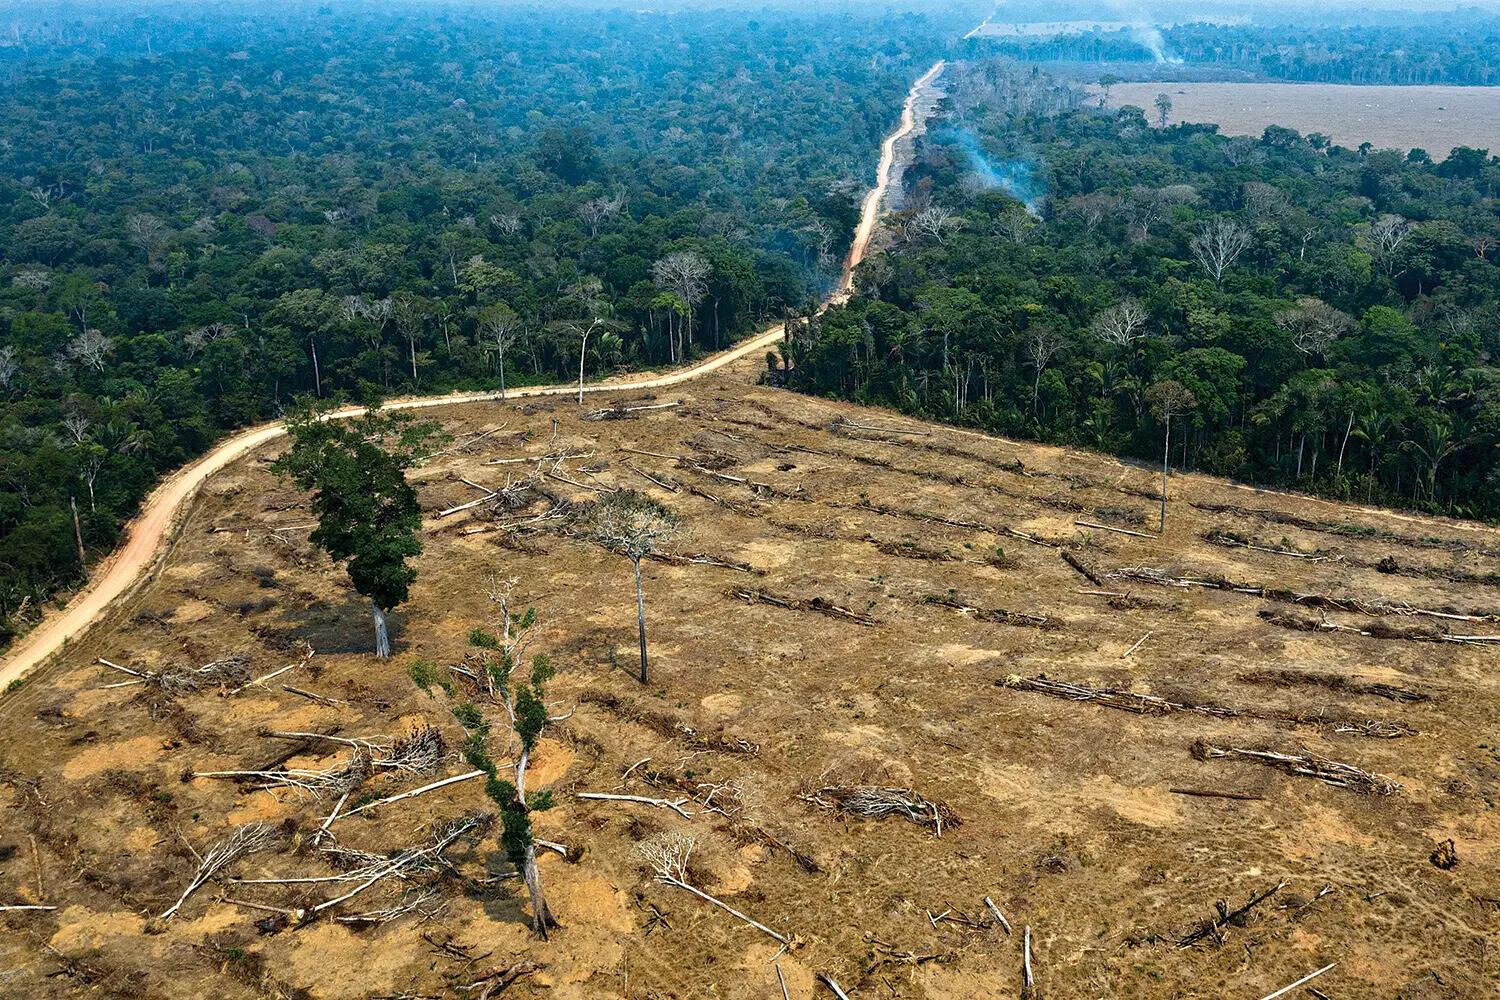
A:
(1167, 399)
(635, 525)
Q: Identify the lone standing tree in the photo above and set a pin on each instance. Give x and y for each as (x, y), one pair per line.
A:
(635, 525)
(1168, 399)
(367, 512)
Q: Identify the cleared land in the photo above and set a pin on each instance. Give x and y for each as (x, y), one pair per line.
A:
(1433, 118)
(840, 618)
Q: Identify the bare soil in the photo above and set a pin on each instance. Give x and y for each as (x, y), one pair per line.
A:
(902, 592)
(1434, 118)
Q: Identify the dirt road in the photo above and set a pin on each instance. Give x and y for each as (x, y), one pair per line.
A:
(147, 537)
(869, 214)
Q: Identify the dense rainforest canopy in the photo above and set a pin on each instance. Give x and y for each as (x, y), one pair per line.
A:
(207, 213)
(1333, 314)
(414, 201)
(1454, 47)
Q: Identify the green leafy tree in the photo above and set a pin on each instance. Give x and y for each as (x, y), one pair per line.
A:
(368, 515)
(497, 654)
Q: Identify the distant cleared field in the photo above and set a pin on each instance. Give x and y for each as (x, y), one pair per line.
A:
(1433, 118)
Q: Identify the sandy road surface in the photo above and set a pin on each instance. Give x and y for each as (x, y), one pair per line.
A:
(148, 536)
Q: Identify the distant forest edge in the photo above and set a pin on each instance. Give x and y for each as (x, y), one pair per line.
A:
(1442, 48)
(205, 214)
(399, 203)
(1307, 315)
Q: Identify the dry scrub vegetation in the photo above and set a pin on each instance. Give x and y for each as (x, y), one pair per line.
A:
(904, 712)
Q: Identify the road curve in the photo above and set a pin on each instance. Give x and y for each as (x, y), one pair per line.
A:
(148, 535)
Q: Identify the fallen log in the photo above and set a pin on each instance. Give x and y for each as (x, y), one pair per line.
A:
(1125, 701)
(1211, 793)
(816, 604)
(998, 615)
(1077, 564)
(1303, 763)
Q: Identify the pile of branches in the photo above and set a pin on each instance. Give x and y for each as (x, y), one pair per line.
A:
(414, 867)
(1345, 529)
(1145, 704)
(999, 615)
(1375, 630)
(704, 559)
(1125, 701)
(1352, 605)
(419, 751)
(1305, 763)
(178, 679)
(816, 604)
(1334, 682)
(877, 801)
(332, 782)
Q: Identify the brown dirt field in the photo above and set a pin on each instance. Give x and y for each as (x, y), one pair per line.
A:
(1067, 816)
(1435, 118)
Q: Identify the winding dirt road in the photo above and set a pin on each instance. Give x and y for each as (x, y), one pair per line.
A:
(148, 537)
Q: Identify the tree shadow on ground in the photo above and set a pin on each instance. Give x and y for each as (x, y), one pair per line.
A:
(345, 627)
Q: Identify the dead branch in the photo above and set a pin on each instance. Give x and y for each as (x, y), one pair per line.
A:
(413, 793)
(311, 696)
(876, 801)
(1138, 643)
(14, 907)
(650, 478)
(1311, 765)
(1118, 531)
(426, 901)
(1305, 979)
(621, 411)
(703, 559)
(1214, 927)
(668, 726)
(467, 506)
(1028, 982)
(426, 857)
(828, 981)
(675, 805)
(1209, 793)
(999, 917)
(1145, 704)
(244, 841)
(668, 856)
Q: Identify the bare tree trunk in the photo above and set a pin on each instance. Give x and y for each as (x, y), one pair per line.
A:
(502, 371)
(413, 346)
(640, 618)
(1347, 431)
(83, 562)
(317, 375)
(541, 913)
(382, 636)
(1166, 451)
